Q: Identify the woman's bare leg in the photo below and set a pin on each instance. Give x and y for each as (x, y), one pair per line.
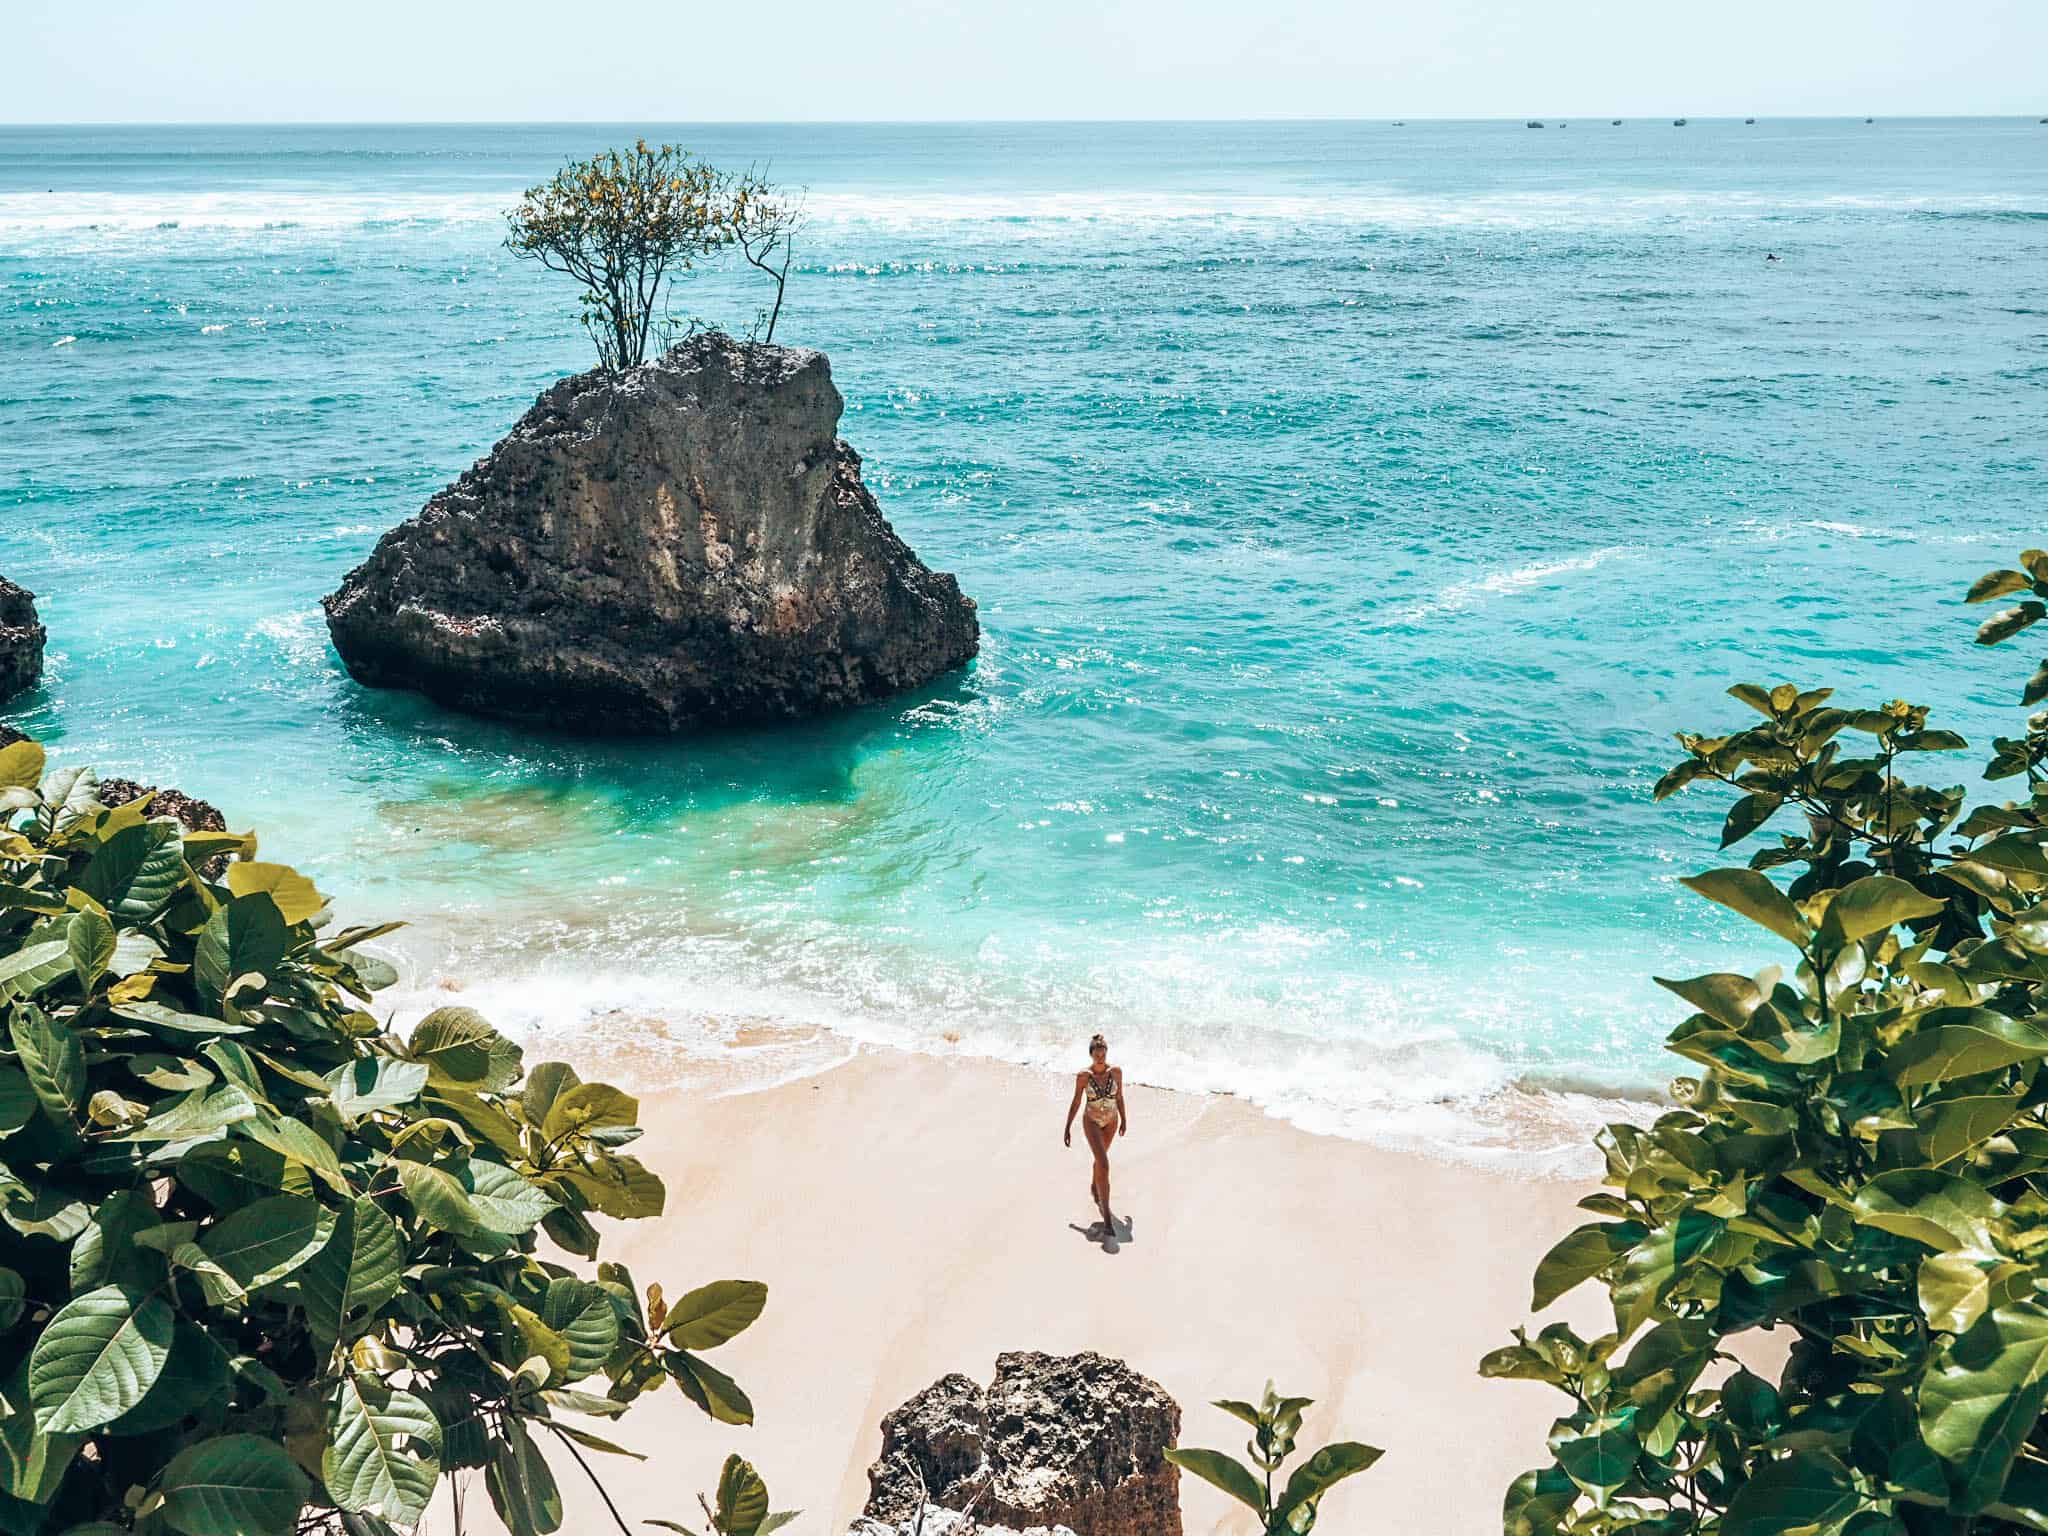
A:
(1099, 1138)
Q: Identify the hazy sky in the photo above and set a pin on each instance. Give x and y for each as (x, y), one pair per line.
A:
(771, 60)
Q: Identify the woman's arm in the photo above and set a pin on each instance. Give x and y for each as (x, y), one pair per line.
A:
(1067, 1136)
(1123, 1115)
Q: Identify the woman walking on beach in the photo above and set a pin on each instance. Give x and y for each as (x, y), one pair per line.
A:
(1101, 1086)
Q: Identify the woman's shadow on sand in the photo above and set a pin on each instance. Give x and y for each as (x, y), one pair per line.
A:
(1109, 1239)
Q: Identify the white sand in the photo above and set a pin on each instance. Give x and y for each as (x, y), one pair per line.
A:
(915, 1216)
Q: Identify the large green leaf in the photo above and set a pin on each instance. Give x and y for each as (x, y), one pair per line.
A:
(98, 1357)
(1580, 1255)
(91, 941)
(1756, 898)
(502, 1200)
(298, 1141)
(522, 1488)
(32, 1461)
(1328, 1466)
(742, 1498)
(1224, 1472)
(1982, 1397)
(106, 1250)
(461, 1049)
(199, 1112)
(34, 966)
(1536, 1501)
(135, 872)
(357, 1271)
(1599, 1455)
(296, 900)
(52, 1057)
(1871, 905)
(264, 1242)
(582, 1313)
(1935, 1208)
(711, 1314)
(1801, 1492)
(383, 1452)
(233, 1485)
(708, 1387)
(586, 1107)
(437, 1198)
(1962, 1042)
(195, 1375)
(246, 936)
(371, 1083)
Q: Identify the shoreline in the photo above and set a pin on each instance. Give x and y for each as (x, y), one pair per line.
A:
(1533, 1125)
(914, 1216)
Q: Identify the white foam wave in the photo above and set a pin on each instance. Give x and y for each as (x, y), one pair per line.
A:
(169, 214)
(1380, 1065)
(1460, 595)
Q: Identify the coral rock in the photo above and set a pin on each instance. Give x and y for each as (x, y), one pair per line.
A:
(687, 543)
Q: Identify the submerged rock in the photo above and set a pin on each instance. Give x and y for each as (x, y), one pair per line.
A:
(687, 543)
(1055, 1440)
(21, 640)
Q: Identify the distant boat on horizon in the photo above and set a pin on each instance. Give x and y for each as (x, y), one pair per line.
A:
(1868, 121)
(1678, 122)
(1532, 123)
(1749, 122)
(1617, 122)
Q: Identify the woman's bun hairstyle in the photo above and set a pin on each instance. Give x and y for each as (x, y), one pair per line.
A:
(1096, 1042)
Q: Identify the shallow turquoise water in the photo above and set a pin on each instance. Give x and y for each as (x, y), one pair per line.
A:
(1353, 512)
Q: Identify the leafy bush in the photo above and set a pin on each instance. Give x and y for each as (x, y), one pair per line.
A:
(741, 1509)
(1862, 1160)
(266, 1267)
(1275, 1421)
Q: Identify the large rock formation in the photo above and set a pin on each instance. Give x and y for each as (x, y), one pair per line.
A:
(686, 543)
(21, 640)
(1073, 1440)
(943, 1522)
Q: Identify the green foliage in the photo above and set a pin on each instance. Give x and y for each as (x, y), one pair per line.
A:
(1275, 1421)
(741, 1507)
(623, 223)
(266, 1267)
(1862, 1161)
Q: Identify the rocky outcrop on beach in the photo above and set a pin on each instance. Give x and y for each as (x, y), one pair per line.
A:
(686, 543)
(21, 640)
(943, 1522)
(1055, 1440)
(193, 814)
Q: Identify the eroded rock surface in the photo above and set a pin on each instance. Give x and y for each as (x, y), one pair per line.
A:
(687, 543)
(1054, 1440)
(22, 637)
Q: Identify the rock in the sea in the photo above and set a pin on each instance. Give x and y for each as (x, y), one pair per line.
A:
(1055, 1440)
(687, 543)
(21, 640)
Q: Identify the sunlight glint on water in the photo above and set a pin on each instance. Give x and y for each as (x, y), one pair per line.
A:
(1354, 511)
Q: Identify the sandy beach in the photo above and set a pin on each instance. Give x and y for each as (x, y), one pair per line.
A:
(914, 1216)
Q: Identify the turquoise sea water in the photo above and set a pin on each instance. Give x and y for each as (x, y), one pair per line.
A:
(1353, 509)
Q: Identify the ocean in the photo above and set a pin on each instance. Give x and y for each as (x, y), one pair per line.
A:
(1355, 510)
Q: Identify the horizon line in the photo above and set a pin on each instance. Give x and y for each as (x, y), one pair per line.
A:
(998, 122)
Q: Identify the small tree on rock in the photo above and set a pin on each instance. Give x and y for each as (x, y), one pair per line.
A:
(765, 221)
(624, 224)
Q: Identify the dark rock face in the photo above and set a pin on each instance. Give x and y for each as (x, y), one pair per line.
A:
(688, 543)
(193, 815)
(21, 640)
(1055, 1440)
